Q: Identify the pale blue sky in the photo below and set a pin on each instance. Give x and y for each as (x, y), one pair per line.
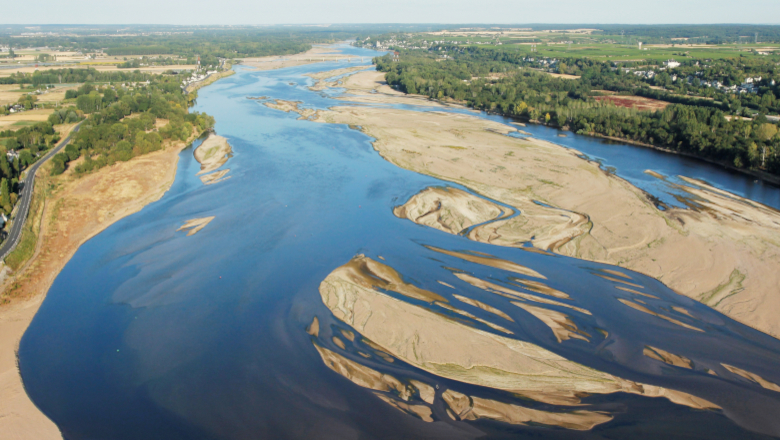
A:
(387, 11)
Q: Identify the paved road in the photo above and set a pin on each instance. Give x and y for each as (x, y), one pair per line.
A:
(24, 204)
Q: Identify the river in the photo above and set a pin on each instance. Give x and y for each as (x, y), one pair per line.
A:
(150, 333)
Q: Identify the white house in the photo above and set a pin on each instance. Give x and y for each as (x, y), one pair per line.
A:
(671, 64)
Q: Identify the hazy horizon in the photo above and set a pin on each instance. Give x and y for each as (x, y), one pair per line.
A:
(309, 12)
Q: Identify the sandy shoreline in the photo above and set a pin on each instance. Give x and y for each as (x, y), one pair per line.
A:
(723, 251)
(727, 235)
(317, 54)
(77, 210)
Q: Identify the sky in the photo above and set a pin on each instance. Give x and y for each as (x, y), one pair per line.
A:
(248, 12)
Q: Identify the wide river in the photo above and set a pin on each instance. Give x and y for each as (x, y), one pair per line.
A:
(152, 334)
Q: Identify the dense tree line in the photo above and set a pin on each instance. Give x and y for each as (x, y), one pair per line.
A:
(121, 124)
(28, 144)
(495, 81)
(137, 50)
(136, 63)
(71, 75)
(208, 43)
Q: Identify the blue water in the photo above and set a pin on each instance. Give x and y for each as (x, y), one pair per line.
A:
(148, 333)
(630, 163)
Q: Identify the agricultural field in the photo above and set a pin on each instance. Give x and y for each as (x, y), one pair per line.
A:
(584, 43)
(18, 120)
(10, 93)
(635, 102)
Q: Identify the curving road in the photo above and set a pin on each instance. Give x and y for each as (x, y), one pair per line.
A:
(24, 204)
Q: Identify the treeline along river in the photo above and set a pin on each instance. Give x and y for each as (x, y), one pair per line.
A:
(152, 333)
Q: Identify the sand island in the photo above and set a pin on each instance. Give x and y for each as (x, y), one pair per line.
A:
(722, 251)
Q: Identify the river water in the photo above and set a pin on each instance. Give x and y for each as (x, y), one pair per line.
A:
(150, 333)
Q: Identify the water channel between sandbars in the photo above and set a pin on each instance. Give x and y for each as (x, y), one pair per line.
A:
(150, 333)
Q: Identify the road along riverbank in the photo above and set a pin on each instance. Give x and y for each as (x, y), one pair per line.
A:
(76, 209)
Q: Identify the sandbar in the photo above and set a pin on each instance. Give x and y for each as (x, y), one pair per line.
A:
(723, 251)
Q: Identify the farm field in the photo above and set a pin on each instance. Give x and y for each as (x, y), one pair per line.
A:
(635, 102)
(585, 44)
(19, 120)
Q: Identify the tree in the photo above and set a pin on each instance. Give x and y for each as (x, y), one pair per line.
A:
(5, 196)
(54, 118)
(72, 152)
(25, 158)
(59, 160)
(766, 131)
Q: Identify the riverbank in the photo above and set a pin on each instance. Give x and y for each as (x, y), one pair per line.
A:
(75, 210)
(209, 80)
(317, 54)
(722, 251)
(763, 175)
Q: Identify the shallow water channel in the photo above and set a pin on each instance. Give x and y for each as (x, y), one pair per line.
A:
(150, 333)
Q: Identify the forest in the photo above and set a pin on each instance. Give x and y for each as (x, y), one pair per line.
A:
(72, 75)
(498, 81)
(209, 43)
(121, 123)
(26, 145)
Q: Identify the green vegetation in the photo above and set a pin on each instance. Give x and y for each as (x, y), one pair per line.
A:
(27, 242)
(18, 150)
(73, 75)
(507, 81)
(121, 123)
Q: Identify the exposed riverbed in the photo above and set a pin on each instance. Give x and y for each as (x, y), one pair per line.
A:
(153, 332)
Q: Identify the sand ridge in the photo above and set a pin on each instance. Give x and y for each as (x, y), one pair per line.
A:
(450, 348)
(724, 251)
(317, 54)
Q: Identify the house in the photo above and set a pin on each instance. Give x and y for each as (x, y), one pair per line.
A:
(671, 64)
(397, 56)
(12, 154)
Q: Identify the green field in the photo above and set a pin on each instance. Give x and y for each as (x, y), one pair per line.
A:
(614, 47)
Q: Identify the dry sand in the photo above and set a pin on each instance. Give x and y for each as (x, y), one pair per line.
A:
(317, 54)
(370, 86)
(666, 357)
(723, 252)
(293, 106)
(194, 225)
(465, 407)
(453, 349)
(753, 378)
(321, 77)
(76, 209)
(212, 153)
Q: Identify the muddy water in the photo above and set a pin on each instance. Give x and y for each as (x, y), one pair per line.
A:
(151, 333)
